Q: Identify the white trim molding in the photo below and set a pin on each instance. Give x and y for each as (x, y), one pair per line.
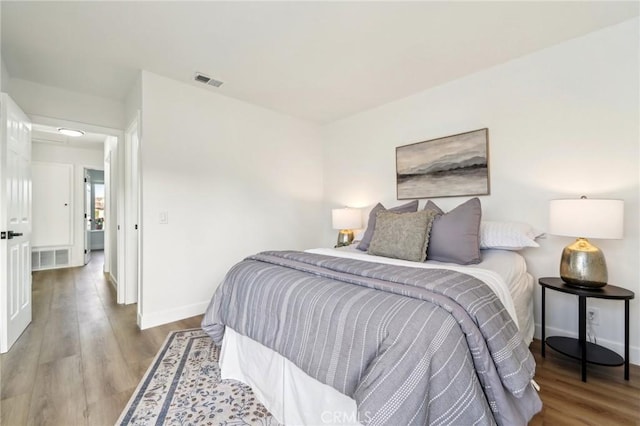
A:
(170, 315)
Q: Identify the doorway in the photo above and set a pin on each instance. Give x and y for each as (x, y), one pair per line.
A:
(95, 212)
(94, 156)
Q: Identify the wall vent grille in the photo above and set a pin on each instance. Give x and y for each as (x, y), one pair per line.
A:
(201, 78)
(50, 258)
(205, 79)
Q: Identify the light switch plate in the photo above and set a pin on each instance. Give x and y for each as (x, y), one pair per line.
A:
(164, 218)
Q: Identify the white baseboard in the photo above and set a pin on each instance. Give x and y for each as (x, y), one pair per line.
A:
(154, 319)
(113, 281)
(618, 347)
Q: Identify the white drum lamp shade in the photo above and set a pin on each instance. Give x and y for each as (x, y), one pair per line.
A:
(587, 218)
(346, 220)
(582, 264)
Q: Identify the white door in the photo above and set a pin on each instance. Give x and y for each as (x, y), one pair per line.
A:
(15, 222)
(87, 217)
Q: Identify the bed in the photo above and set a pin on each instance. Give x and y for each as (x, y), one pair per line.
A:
(456, 372)
(376, 334)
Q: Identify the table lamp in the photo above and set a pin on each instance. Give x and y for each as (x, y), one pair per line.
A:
(582, 264)
(346, 220)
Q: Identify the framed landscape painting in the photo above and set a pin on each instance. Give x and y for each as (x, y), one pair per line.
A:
(451, 166)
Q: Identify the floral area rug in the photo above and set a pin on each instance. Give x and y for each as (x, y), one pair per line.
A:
(183, 387)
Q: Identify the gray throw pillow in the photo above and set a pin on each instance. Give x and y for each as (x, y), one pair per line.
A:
(402, 236)
(455, 236)
(411, 206)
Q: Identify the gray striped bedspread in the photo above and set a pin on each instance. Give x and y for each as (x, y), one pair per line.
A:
(411, 346)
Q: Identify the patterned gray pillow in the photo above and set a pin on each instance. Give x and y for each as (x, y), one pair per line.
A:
(402, 235)
(411, 206)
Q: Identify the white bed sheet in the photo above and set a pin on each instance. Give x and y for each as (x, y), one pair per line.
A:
(291, 396)
(295, 398)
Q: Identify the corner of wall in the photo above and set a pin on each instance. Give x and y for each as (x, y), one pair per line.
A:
(154, 319)
(133, 101)
(4, 76)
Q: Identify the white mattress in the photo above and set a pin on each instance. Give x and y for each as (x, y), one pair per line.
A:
(295, 398)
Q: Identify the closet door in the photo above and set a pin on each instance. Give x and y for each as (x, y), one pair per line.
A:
(52, 204)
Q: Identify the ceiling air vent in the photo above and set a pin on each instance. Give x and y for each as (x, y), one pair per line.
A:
(201, 78)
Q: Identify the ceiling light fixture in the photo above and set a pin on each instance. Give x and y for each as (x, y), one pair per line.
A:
(70, 132)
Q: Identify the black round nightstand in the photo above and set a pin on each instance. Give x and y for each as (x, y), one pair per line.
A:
(587, 352)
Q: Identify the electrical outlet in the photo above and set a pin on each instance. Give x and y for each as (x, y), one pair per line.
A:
(593, 316)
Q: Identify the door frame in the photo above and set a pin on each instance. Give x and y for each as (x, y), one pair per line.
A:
(86, 203)
(117, 219)
(132, 216)
(107, 212)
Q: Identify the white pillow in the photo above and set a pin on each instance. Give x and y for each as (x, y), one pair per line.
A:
(507, 235)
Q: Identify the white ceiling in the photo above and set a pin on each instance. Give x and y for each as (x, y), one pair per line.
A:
(50, 135)
(317, 60)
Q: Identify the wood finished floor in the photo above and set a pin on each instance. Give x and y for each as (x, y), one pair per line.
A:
(83, 355)
(606, 399)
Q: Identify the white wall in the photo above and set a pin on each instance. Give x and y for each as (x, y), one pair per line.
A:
(234, 179)
(562, 122)
(4, 75)
(79, 158)
(133, 101)
(47, 101)
(3, 69)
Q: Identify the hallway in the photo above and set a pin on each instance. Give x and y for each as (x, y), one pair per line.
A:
(82, 356)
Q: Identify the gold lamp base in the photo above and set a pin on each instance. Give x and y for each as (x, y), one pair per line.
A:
(582, 265)
(345, 237)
